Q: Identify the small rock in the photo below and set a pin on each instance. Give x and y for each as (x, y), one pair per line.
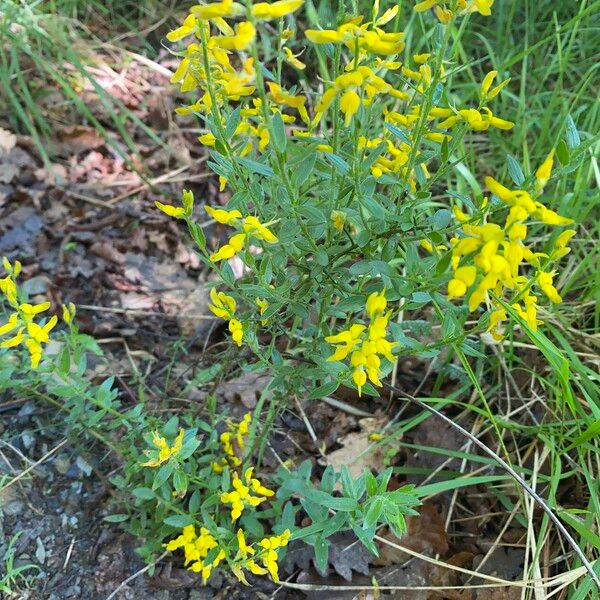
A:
(36, 285)
(40, 551)
(28, 439)
(203, 594)
(84, 466)
(26, 410)
(62, 464)
(13, 508)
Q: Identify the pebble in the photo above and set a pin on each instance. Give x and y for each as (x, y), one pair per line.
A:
(13, 508)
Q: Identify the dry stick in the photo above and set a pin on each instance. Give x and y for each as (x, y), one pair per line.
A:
(137, 574)
(584, 561)
(35, 464)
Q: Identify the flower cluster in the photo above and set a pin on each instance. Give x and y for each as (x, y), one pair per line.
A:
(21, 322)
(233, 444)
(249, 227)
(241, 494)
(207, 65)
(444, 13)
(165, 452)
(265, 551)
(499, 254)
(197, 548)
(366, 345)
(203, 553)
(223, 306)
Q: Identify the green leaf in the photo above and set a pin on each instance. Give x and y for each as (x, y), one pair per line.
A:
(116, 518)
(180, 481)
(366, 537)
(335, 523)
(255, 167)
(305, 168)
(143, 493)
(572, 135)
(338, 162)
(348, 485)
(514, 170)
(162, 475)
(374, 512)
(279, 138)
(194, 503)
(370, 483)
(329, 501)
(178, 521)
(562, 153)
(398, 133)
(232, 122)
(321, 554)
(441, 219)
(324, 390)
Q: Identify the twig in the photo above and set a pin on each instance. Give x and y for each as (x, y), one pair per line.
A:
(571, 541)
(35, 464)
(137, 574)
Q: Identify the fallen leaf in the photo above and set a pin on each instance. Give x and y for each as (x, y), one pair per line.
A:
(346, 554)
(77, 138)
(55, 174)
(353, 453)
(8, 173)
(8, 140)
(108, 252)
(137, 301)
(426, 534)
(246, 388)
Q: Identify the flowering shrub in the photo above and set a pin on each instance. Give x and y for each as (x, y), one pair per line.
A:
(331, 189)
(332, 176)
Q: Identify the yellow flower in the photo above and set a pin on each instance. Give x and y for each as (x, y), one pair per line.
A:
(252, 226)
(284, 98)
(376, 304)
(225, 8)
(243, 37)
(275, 10)
(220, 215)
(241, 495)
(237, 331)
(464, 278)
(349, 105)
(262, 307)
(188, 27)
(235, 434)
(68, 312)
(484, 93)
(338, 218)
(229, 250)
(269, 554)
(366, 350)
(544, 171)
(165, 452)
(29, 333)
(196, 549)
(292, 59)
(464, 6)
(223, 306)
(179, 212)
(560, 245)
(545, 281)
(242, 546)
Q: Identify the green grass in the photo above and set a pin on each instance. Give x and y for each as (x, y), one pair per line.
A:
(38, 39)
